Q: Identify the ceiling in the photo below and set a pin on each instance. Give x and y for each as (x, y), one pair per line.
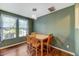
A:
(25, 9)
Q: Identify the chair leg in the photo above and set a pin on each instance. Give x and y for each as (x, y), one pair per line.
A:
(47, 49)
(28, 49)
(36, 51)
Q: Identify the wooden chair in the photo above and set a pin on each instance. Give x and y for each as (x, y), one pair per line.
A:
(47, 43)
(29, 45)
(36, 44)
(33, 42)
(30, 49)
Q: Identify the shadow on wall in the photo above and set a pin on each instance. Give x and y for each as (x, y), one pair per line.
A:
(57, 42)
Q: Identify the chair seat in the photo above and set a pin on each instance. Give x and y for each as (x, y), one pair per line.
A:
(36, 45)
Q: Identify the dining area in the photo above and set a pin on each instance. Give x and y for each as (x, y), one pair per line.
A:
(41, 36)
(40, 42)
(41, 45)
(35, 44)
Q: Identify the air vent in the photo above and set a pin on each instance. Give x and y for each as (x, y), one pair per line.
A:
(51, 9)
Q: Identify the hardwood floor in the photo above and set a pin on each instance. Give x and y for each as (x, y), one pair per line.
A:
(22, 50)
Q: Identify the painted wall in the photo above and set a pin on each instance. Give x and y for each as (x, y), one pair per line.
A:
(77, 41)
(77, 29)
(61, 24)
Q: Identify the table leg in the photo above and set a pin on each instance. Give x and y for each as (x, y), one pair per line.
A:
(41, 48)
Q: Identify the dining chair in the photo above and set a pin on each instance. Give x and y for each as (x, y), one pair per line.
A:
(33, 42)
(28, 45)
(30, 50)
(47, 43)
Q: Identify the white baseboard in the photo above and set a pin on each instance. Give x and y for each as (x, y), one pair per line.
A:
(64, 50)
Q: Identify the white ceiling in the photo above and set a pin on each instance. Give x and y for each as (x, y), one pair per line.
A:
(25, 9)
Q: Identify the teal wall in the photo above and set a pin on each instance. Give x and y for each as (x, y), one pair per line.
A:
(10, 41)
(31, 23)
(77, 41)
(61, 24)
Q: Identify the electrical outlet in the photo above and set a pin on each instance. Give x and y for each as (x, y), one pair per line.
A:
(68, 46)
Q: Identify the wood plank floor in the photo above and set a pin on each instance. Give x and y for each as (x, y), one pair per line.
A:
(22, 50)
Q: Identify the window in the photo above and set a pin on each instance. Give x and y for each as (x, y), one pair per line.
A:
(12, 27)
(8, 27)
(0, 30)
(23, 27)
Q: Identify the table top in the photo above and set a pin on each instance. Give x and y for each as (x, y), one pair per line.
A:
(41, 36)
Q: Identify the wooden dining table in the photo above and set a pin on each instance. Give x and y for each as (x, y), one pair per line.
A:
(41, 37)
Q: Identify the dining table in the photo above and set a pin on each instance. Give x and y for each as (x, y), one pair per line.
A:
(41, 38)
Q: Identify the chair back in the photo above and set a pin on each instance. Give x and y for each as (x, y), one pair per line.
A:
(33, 34)
(50, 38)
